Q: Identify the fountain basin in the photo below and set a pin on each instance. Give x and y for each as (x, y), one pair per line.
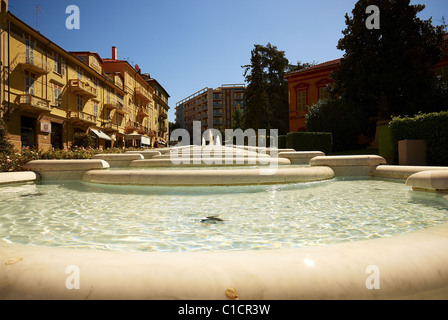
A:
(209, 177)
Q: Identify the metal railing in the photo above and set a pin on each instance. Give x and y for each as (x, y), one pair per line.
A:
(35, 63)
(80, 115)
(30, 100)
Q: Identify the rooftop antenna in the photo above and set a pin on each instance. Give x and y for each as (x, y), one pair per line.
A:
(38, 8)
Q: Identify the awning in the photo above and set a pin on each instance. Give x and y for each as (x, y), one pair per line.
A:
(146, 141)
(101, 134)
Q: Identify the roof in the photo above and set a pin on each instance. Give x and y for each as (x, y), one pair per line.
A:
(317, 66)
(80, 53)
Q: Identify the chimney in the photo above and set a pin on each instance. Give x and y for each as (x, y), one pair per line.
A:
(114, 53)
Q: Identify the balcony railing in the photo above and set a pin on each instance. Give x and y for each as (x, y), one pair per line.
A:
(142, 112)
(80, 87)
(79, 116)
(142, 93)
(111, 126)
(132, 125)
(217, 121)
(34, 64)
(142, 130)
(33, 103)
(111, 103)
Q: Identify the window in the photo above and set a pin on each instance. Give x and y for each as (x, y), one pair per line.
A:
(95, 110)
(301, 100)
(57, 95)
(29, 84)
(80, 103)
(29, 47)
(442, 72)
(324, 94)
(59, 64)
(79, 71)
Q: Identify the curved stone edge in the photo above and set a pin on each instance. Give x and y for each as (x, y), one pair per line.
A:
(411, 266)
(18, 177)
(191, 162)
(301, 157)
(120, 160)
(148, 154)
(64, 169)
(402, 172)
(346, 166)
(435, 181)
(213, 177)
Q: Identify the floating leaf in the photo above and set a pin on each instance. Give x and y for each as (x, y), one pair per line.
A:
(13, 261)
(231, 293)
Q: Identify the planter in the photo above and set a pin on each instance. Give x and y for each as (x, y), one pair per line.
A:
(412, 152)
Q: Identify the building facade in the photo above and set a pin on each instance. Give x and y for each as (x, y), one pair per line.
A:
(161, 109)
(308, 86)
(214, 108)
(48, 95)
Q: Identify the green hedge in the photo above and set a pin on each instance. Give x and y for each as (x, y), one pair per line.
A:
(431, 127)
(282, 142)
(310, 141)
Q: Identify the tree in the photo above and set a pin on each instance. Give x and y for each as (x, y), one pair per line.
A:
(238, 119)
(388, 71)
(268, 66)
(5, 146)
(258, 113)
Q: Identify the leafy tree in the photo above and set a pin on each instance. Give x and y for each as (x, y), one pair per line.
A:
(388, 71)
(5, 146)
(238, 118)
(265, 78)
(258, 112)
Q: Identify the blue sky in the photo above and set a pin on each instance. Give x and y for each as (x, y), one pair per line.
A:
(191, 44)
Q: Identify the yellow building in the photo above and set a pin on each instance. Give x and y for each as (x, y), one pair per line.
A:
(161, 109)
(48, 94)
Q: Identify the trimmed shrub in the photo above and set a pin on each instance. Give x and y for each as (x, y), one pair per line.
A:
(83, 140)
(310, 141)
(431, 127)
(282, 142)
(342, 119)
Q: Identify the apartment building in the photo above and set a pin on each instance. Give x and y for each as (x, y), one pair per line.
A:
(214, 108)
(139, 100)
(48, 94)
(161, 109)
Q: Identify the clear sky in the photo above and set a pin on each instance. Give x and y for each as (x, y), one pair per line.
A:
(188, 45)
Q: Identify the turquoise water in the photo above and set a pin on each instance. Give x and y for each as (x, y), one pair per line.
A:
(81, 215)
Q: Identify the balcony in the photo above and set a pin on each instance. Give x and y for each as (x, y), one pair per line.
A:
(217, 121)
(142, 130)
(34, 64)
(132, 126)
(111, 103)
(32, 103)
(120, 108)
(111, 127)
(82, 118)
(142, 112)
(82, 88)
(142, 94)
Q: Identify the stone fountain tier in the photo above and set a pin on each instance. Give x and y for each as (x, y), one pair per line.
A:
(209, 161)
(206, 177)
